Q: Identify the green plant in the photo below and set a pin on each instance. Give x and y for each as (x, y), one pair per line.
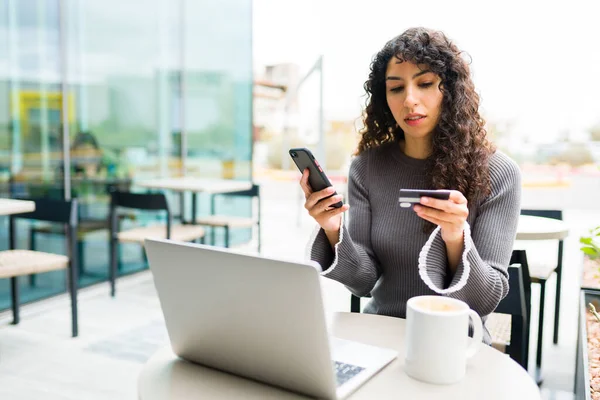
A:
(591, 243)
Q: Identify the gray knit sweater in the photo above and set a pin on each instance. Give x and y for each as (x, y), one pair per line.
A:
(384, 252)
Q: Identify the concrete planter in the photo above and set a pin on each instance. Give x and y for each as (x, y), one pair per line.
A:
(587, 368)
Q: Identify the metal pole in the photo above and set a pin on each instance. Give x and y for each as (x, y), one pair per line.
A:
(83, 93)
(182, 100)
(16, 163)
(163, 92)
(62, 40)
(322, 152)
(43, 86)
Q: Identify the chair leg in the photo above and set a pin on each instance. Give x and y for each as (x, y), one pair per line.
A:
(73, 290)
(354, 304)
(32, 277)
(258, 227)
(517, 349)
(538, 356)
(112, 274)
(144, 256)
(557, 306)
(14, 290)
(80, 257)
(558, 288)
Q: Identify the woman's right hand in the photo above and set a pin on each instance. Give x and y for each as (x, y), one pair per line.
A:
(320, 208)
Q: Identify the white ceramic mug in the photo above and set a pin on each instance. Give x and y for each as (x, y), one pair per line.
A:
(437, 345)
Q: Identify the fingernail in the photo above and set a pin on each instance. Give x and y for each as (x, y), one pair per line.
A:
(417, 208)
(424, 200)
(330, 189)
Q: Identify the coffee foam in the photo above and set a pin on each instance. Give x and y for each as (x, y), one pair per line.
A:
(438, 305)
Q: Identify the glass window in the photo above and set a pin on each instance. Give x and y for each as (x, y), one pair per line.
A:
(142, 79)
(123, 76)
(30, 128)
(218, 97)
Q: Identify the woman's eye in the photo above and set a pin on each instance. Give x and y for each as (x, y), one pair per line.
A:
(426, 84)
(397, 89)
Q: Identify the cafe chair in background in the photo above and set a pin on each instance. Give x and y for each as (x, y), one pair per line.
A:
(228, 222)
(153, 202)
(542, 271)
(17, 262)
(509, 324)
(86, 225)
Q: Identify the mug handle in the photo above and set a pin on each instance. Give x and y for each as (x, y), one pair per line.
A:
(477, 334)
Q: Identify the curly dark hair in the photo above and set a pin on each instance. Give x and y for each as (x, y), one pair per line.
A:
(461, 150)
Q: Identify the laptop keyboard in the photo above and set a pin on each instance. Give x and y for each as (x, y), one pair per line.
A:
(344, 372)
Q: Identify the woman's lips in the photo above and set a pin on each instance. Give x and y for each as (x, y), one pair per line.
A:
(414, 122)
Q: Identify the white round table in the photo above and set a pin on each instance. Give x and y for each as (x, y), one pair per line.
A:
(491, 375)
(540, 228)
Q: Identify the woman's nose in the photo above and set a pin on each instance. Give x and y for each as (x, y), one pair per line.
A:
(411, 97)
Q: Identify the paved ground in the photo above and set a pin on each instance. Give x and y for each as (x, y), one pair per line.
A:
(38, 359)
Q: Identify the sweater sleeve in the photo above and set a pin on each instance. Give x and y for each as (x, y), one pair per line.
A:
(352, 261)
(481, 278)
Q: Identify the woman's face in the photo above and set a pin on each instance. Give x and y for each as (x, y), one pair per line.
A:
(414, 97)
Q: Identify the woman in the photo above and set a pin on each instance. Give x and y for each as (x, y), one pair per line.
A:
(422, 131)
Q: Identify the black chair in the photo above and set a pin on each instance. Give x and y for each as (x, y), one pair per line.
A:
(228, 221)
(354, 303)
(147, 202)
(85, 224)
(541, 272)
(16, 262)
(509, 325)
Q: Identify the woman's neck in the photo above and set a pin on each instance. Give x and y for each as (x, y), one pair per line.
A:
(419, 149)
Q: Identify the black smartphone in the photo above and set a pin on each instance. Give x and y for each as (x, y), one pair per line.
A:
(303, 158)
(409, 197)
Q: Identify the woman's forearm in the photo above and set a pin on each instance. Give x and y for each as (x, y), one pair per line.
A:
(454, 250)
(333, 237)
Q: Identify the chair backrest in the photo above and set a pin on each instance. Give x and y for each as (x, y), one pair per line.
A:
(517, 304)
(516, 301)
(254, 191)
(140, 201)
(554, 214)
(52, 210)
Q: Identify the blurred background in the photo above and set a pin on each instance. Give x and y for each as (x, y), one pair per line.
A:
(100, 94)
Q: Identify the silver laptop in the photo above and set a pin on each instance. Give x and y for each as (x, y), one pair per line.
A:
(256, 317)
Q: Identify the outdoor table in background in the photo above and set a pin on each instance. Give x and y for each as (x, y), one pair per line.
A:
(195, 186)
(540, 228)
(491, 375)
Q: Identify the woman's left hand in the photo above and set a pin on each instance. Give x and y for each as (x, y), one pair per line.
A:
(450, 214)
